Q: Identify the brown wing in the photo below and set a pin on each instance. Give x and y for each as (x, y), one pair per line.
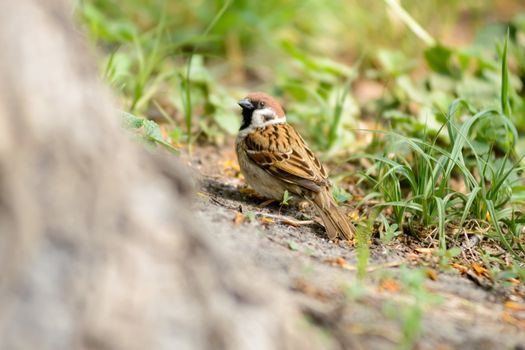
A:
(282, 152)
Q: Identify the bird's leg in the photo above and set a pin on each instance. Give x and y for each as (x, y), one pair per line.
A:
(303, 205)
(248, 191)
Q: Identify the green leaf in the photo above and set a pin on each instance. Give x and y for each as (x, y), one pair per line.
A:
(152, 130)
(340, 195)
(132, 122)
(286, 197)
(438, 59)
(440, 203)
(293, 246)
(250, 216)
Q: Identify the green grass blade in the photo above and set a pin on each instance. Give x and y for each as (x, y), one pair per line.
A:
(338, 113)
(466, 210)
(505, 105)
(400, 204)
(440, 204)
(410, 22)
(495, 224)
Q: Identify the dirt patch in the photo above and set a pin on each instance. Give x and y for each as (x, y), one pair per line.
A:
(396, 304)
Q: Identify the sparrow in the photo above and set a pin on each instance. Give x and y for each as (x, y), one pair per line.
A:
(274, 158)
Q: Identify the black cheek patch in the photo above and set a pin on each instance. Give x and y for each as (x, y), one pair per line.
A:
(246, 118)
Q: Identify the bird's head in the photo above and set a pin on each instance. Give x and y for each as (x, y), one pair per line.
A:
(259, 110)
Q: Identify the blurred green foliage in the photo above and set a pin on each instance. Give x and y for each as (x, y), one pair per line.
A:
(309, 53)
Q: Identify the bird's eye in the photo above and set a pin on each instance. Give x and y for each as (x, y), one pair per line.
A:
(261, 104)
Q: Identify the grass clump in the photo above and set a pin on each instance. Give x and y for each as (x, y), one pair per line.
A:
(434, 187)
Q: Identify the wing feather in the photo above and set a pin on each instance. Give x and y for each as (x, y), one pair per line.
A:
(281, 151)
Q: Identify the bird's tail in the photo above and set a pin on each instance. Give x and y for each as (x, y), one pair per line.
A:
(335, 222)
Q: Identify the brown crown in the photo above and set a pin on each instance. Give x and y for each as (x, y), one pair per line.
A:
(269, 101)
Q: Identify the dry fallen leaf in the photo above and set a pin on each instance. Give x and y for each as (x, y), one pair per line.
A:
(231, 168)
(507, 317)
(230, 163)
(479, 270)
(389, 285)
(513, 306)
(239, 218)
(340, 261)
(431, 274)
(514, 281)
(266, 220)
(459, 267)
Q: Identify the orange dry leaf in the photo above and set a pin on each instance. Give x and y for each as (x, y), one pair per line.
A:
(459, 267)
(265, 220)
(513, 306)
(230, 163)
(389, 285)
(514, 281)
(239, 218)
(507, 317)
(431, 274)
(231, 168)
(340, 261)
(479, 270)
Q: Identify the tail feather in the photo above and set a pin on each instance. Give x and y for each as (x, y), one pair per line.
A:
(335, 222)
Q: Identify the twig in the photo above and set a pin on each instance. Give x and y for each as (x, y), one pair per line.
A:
(410, 22)
(285, 219)
(385, 265)
(372, 268)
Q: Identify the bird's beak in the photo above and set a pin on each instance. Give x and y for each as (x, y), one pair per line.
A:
(246, 104)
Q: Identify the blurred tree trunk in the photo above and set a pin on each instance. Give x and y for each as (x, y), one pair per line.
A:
(96, 249)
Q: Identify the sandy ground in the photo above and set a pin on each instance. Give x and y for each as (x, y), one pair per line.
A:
(398, 304)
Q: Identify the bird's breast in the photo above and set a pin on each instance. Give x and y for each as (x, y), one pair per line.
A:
(258, 178)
